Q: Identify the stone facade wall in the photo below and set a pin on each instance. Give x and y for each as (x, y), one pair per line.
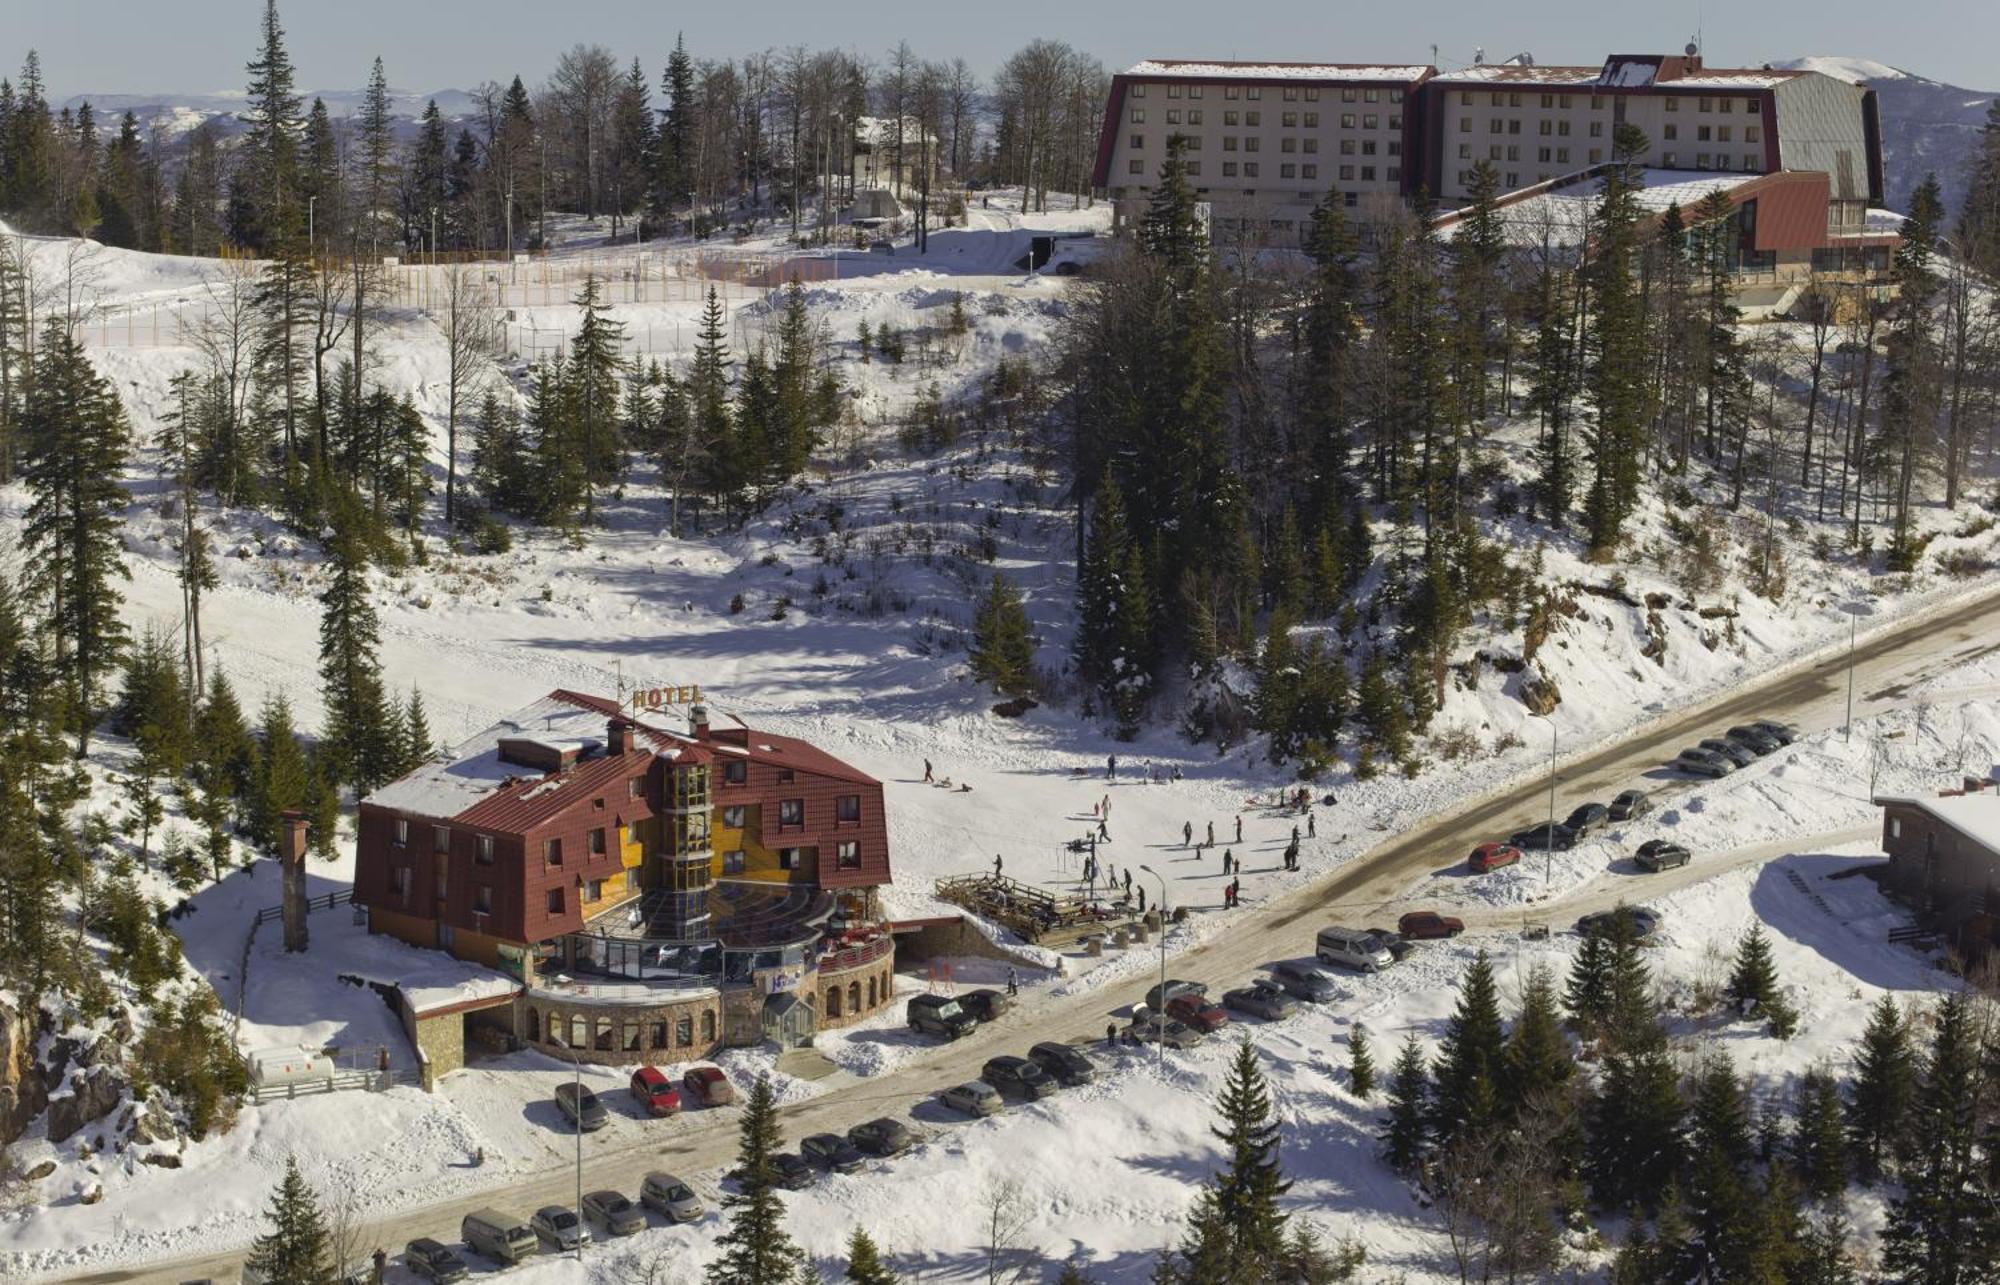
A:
(850, 995)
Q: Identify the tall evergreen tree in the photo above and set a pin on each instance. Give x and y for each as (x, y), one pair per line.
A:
(1407, 1138)
(1470, 1058)
(864, 1262)
(596, 365)
(1819, 1136)
(357, 711)
(679, 129)
(1537, 1059)
(1003, 651)
(1360, 1063)
(756, 1250)
(1945, 1227)
(76, 443)
(270, 142)
(1620, 357)
(1755, 980)
(283, 777)
(1911, 388)
(298, 1249)
(1884, 1090)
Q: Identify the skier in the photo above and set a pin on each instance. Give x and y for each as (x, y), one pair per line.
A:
(1187, 834)
(1103, 833)
(1295, 836)
(928, 779)
(1239, 827)
(1312, 829)
(1228, 860)
(1211, 834)
(1111, 767)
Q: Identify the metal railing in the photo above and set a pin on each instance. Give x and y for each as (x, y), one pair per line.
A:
(338, 1082)
(857, 956)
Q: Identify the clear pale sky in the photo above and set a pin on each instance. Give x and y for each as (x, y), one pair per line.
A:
(199, 46)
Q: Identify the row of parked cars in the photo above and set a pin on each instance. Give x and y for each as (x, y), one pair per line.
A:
(505, 1238)
(1718, 756)
(655, 1094)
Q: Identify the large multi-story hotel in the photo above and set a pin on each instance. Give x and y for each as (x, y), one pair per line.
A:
(656, 890)
(1265, 142)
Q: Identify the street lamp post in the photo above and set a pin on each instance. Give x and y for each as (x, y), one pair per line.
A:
(576, 1066)
(1549, 835)
(1855, 611)
(1160, 1009)
(312, 246)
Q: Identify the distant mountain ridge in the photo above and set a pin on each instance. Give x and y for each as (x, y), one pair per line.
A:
(1927, 125)
(176, 114)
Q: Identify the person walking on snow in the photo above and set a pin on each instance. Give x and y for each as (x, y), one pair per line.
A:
(1295, 836)
(1013, 983)
(1128, 882)
(1239, 827)
(1142, 898)
(1312, 829)
(1102, 833)
(1187, 834)
(996, 865)
(1228, 860)
(1111, 767)
(1211, 834)
(928, 780)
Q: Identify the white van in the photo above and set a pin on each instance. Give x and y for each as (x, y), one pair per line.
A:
(501, 1237)
(1352, 948)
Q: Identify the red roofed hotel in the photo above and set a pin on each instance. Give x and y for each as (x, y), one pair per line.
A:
(659, 891)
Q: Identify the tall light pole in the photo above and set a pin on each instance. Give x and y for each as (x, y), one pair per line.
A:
(1160, 1009)
(1855, 611)
(311, 247)
(1549, 835)
(576, 1066)
(434, 236)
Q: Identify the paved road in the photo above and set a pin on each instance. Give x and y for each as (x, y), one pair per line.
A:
(1886, 668)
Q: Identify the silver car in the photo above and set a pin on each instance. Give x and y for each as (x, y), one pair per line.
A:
(1699, 762)
(974, 1097)
(559, 1228)
(1304, 981)
(670, 1196)
(1261, 999)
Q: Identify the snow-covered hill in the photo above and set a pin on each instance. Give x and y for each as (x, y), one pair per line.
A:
(1927, 125)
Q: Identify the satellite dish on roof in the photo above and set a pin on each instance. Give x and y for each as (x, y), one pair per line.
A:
(1479, 57)
(1691, 49)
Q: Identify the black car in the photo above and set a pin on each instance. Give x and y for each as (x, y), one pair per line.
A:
(1018, 1076)
(1643, 922)
(1544, 838)
(794, 1173)
(434, 1261)
(1630, 805)
(1587, 818)
(984, 1005)
(1735, 751)
(1068, 1066)
(1661, 854)
(883, 1137)
(1782, 733)
(831, 1151)
(1756, 738)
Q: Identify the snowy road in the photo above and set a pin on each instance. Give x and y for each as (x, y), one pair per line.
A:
(1888, 669)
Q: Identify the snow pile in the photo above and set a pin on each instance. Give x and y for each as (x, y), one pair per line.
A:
(1856, 71)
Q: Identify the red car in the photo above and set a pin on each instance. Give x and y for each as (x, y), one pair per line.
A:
(1426, 924)
(1491, 856)
(1198, 1011)
(708, 1086)
(654, 1092)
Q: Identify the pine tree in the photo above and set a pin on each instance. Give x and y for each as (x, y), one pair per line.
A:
(1360, 1063)
(1247, 1192)
(1128, 678)
(864, 1262)
(1003, 650)
(1171, 228)
(1274, 706)
(1470, 1058)
(596, 362)
(1823, 1255)
(1884, 1093)
(676, 140)
(1719, 1151)
(1537, 1059)
(270, 140)
(1587, 997)
(282, 773)
(1408, 1134)
(1945, 1227)
(755, 1248)
(298, 1250)
(1819, 1138)
(75, 447)
(1100, 581)
(1910, 389)
(1634, 1126)
(1620, 358)
(1755, 980)
(357, 711)
(418, 744)
(1073, 1274)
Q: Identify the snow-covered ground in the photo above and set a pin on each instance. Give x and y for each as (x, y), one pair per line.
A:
(856, 589)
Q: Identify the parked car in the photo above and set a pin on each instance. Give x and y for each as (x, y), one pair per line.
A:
(581, 1107)
(1755, 739)
(939, 1015)
(1175, 1035)
(670, 1196)
(434, 1261)
(1261, 999)
(882, 1137)
(1198, 1011)
(1164, 991)
(499, 1236)
(1782, 733)
(613, 1212)
(1644, 922)
(1740, 755)
(1429, 925)
(654, 1092)
(1351, 948)
(1399, 947)
(1304, 981)
(974, 1097)
(794, 1174)
(1696, 761)
(1630, 805)
(1661, 854)
(707, 1086)
(1587, 819)
(1067, 1065)
(831, 1151)
(984, 1005)
(1544, 838)
(1018, 1075)
(559, 1228)
(1492, 856)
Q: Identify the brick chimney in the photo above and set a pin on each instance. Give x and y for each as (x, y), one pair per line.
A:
(698, 721)
(292, 870)
(621, 736)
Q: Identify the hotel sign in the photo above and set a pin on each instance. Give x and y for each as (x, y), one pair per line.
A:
(655, 697)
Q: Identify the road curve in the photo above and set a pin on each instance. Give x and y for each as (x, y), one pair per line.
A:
(1813, 693)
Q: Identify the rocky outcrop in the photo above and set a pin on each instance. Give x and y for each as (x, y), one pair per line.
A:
(23, 1090)
(92, 1093)
(1538, 691)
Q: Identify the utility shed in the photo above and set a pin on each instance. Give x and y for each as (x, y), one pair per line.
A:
(1944, 859)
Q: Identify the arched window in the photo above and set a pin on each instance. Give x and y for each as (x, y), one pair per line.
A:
(708, 1026)
(854, 997)
(534, 1027)
(604, 1034)
(579, 1031)
(871, 992)
(833, 1000)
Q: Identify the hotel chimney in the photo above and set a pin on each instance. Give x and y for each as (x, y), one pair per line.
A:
(621, 736)
(698, 721)
(292, 871)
